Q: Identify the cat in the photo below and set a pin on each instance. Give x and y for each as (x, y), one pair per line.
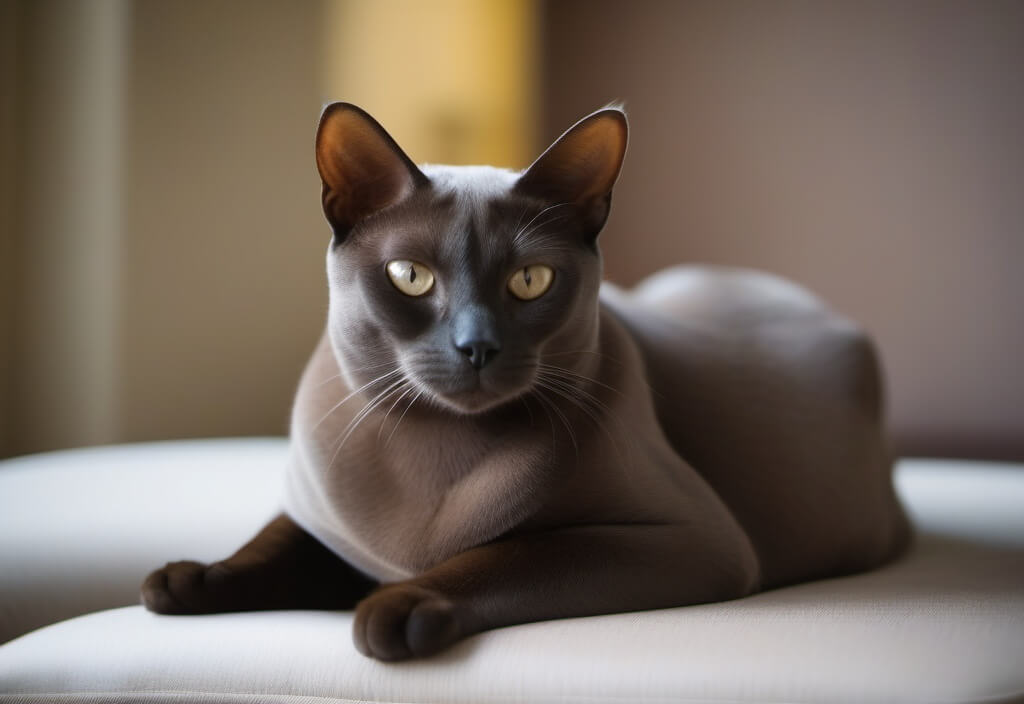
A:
(486, 435)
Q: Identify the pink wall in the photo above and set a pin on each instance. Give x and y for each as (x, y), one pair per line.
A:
(874, 152)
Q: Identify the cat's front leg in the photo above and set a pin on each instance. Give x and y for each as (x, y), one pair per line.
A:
(283, 567)
(577, 571)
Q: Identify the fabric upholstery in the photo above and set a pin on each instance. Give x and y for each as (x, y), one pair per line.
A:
(79, 529)
(944, 624)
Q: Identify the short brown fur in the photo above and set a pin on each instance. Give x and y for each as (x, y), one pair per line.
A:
(705, 435)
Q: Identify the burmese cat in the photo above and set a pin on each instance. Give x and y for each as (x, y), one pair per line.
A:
(485, 435)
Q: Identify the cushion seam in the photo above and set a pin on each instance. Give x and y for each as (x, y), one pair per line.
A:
(145, 693)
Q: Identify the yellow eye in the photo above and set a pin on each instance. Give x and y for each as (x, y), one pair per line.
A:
(531, 281)
(411, 278)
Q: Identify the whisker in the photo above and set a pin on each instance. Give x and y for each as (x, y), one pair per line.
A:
(398, 400)
(584, 395)
(544, 210)
(330, 378)
(565, 421)
(368, 367)
(519, 233)
(522, 213)
(525, 234)
(529, 410)
(580, 398)
(576, 375)
(353, 393)
(565, 391)
(393, 430)
(576, 352)
(635, 373)
(596, 413)
(363, 414)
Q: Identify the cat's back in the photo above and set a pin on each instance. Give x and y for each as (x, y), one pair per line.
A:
(750, 328)
(776, 401)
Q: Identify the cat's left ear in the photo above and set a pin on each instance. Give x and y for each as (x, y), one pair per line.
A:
(581, 166)
(362, 168)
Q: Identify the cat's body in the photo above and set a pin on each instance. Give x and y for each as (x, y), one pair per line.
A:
(498, 453)
(776, 402)
(676, 373)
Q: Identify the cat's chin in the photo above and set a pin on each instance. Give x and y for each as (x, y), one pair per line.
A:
(476, 393)
(474, 402)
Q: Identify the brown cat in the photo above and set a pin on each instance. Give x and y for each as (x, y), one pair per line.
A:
(486, 435)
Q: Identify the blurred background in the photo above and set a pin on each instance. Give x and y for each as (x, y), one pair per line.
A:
(161, 250)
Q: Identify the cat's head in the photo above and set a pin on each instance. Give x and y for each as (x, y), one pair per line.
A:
(458, 283)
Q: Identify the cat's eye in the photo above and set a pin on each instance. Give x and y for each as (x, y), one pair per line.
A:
(411, 278)
(531, 281)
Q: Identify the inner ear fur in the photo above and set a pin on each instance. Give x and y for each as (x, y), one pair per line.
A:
(582, 165)
(362, 168)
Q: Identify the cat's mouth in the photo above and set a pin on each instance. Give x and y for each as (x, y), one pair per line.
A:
(474, 392)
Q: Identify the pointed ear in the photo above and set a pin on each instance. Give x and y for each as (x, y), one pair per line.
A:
(362, 168)
(581, 166)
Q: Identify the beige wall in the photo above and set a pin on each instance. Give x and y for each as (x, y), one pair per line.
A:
(454, 81)
(166, 278)
(10, 86)
(67, 165)
(871, 150)
(223, 241)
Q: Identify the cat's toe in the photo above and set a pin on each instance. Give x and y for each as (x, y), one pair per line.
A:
(402, 621)
(176, 588)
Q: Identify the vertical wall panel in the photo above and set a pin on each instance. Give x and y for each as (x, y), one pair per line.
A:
(10, 89)
(68, 223)
(224, 292)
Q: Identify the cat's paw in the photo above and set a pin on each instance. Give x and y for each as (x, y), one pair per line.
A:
(184, 588)
(401, 621)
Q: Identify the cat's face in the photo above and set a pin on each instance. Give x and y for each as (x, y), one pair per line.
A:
(457, 284)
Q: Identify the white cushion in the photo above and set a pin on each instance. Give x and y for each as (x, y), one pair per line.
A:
(80, 529)
(945, 624)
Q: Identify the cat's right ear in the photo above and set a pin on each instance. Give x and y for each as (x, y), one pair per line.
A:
(362, 168)
(581, 166)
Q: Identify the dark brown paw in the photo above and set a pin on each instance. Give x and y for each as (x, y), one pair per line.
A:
(184, 588)
(401, 621)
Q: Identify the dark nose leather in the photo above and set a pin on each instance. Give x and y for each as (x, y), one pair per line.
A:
(480, 352)
(475, 335)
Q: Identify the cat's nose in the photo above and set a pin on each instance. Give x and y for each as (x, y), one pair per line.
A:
(475, 334)
(480, 352)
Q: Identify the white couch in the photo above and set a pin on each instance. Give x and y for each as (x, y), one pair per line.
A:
(79, 530)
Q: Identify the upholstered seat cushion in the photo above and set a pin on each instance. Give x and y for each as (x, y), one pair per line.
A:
(79, 529)
(944, 624)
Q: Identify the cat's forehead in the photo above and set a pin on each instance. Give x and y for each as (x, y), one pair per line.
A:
(474, 203)
(472, 185)
(470, 216)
